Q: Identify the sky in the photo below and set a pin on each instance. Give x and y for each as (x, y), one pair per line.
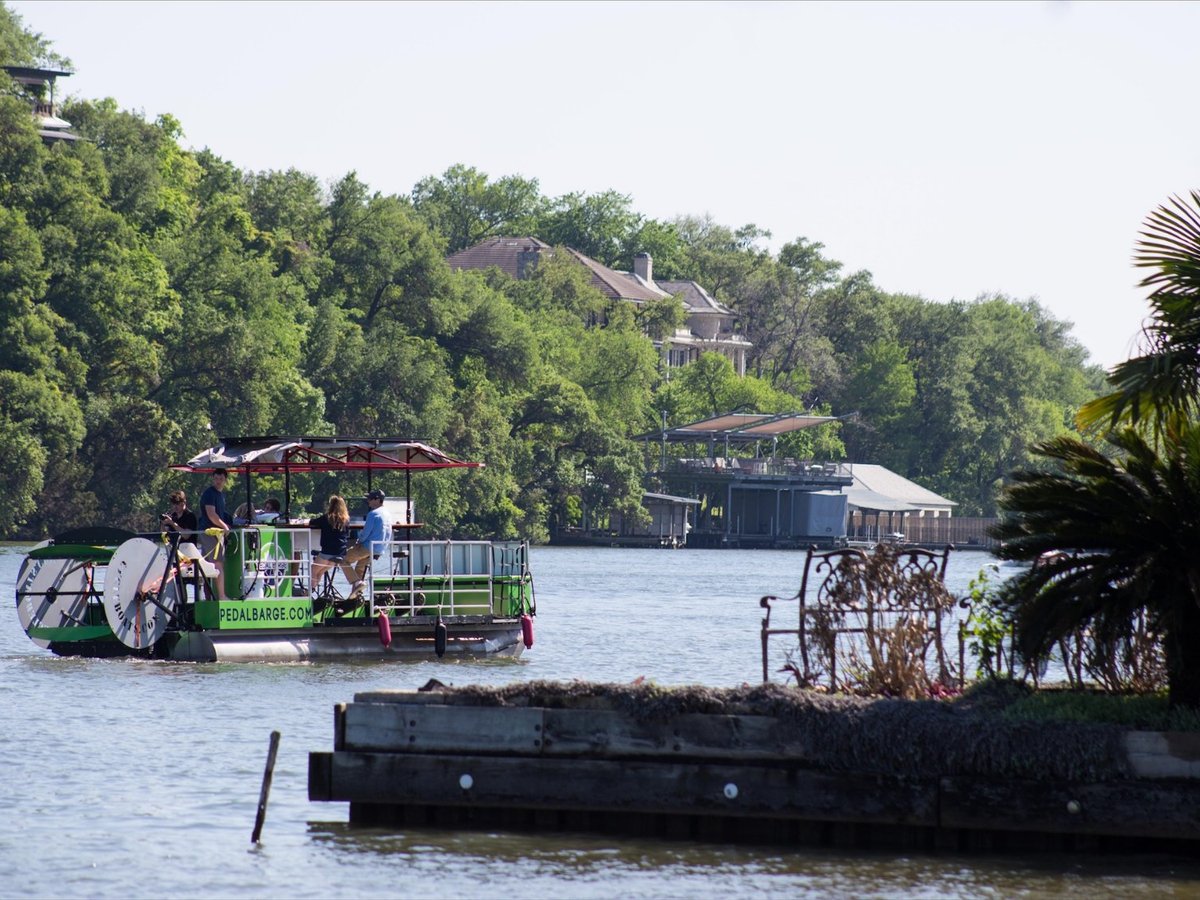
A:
(951, 149)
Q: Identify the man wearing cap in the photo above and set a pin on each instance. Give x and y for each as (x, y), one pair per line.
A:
(376, 531)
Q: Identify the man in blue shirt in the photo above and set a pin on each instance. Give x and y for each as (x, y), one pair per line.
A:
(372, 540)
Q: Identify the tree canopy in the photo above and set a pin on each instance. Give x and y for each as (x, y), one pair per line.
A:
(153, 298)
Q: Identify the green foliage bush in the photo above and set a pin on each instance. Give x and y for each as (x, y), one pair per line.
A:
(1149, 712)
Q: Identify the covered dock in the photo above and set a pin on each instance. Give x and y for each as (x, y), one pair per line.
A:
(761, 500)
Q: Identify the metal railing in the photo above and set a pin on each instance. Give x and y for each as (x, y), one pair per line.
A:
(404, 577)
(761, 465)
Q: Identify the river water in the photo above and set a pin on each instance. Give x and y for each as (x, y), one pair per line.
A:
(141, 779)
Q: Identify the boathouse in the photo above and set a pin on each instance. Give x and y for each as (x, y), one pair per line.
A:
(752, 501)
(883, 504)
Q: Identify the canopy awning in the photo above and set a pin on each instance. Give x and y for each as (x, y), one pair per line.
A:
(741, 428)
(320, 454)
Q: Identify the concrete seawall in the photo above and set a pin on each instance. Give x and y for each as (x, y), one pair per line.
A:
(747, 766)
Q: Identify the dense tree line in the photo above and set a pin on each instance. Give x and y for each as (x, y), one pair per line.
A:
(153, 298)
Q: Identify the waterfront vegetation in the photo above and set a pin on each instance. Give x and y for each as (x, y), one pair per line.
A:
(154, 297)
(1142, 712)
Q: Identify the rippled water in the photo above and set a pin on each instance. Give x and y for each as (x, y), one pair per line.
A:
(141, 779)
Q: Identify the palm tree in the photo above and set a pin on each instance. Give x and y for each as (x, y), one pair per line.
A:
(1162, 384)
(1130, 525)
(1129, 520)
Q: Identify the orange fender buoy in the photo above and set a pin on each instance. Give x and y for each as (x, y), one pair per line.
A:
(385, 630)
(527, 630)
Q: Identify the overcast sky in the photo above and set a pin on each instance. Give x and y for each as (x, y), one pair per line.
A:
(952, 149)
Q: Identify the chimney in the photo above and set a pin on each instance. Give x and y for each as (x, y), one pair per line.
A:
(643, 267)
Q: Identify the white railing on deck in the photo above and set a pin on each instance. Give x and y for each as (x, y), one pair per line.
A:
(420, 566)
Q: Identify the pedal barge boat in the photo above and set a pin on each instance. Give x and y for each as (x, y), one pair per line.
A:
(102, 592)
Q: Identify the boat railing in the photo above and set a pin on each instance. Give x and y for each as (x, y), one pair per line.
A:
(405, 577)
(451, 578)
(275, 561)
(734, 465)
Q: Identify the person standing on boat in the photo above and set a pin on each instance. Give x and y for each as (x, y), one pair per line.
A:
(213, 515)
(376, 532)
(335, 541)
(179, 518)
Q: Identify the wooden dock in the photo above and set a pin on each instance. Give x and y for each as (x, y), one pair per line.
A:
(639, 761)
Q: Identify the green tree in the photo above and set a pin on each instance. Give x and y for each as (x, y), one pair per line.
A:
(881, 390)
(659, 319)
(558, 289)
(395, 384)
(21, 47)
(783, 315)
(1127, 523)
(661, 241)
(720, 258)
(464, 207)
(601, 226)
(385, 262)
(288, 210)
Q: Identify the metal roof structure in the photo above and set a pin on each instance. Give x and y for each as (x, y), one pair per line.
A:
(879, 488)
(670, 498)
(740, 428)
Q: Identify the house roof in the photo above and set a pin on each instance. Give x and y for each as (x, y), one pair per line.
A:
(511, 255)
(696, 298)
(878, 487)
(618, 285)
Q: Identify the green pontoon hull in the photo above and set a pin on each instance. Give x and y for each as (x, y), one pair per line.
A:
(412, 641)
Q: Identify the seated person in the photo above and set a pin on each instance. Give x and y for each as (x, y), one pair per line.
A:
(179, 518)
(374, 537)
(335, 541)
(241, 515)
(269, 513)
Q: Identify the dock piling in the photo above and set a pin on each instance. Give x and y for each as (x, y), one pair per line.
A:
(268, 773)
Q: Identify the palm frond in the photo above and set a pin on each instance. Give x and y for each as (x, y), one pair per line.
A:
(1164, 381)
(1126, 525)
(1170, 245)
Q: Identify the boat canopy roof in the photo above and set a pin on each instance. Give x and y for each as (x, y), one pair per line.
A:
(320, 454)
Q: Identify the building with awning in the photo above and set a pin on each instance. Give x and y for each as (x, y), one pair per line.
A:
(669, 520)
(758, 500)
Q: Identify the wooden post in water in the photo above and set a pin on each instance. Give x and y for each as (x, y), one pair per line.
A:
(266, 788)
